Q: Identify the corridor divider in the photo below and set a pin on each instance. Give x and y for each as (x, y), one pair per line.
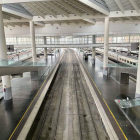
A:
(21, 130)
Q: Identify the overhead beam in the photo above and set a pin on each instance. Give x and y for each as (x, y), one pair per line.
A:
(120, 5)
(5, 24)
(135, 5)
(50, 22)
(22, 21)
(15, 20)
(128, 13)
(6, 17)
(121, 19)
(95, 6)
(11, 15)
(65, 24)
(59, 23)
(138, 17)
(75, 22)
(11, 24)
(128, 21)
(26, 24)
(83, 21)
(71, 17)
(130, 18)
(18, 24)
(90, 21)
(112, 20)
(40, 24)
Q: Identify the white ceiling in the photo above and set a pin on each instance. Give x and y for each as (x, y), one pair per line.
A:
(78, 12)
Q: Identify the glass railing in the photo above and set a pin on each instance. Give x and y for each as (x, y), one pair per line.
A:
(130, 109)
(119, 65)
(123, 103)
(124, 65)
(12, 63)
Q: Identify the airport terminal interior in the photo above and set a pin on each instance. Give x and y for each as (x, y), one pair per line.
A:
(69, 70)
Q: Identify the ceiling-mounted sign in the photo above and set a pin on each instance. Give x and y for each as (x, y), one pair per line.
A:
(10, 48)
(135, 46)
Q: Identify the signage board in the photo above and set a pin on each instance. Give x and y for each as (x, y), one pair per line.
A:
(134, 46)
(10, 48)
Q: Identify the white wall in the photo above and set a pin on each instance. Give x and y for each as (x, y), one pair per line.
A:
(115, 28)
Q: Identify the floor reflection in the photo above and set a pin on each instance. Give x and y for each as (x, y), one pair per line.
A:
(111, 90)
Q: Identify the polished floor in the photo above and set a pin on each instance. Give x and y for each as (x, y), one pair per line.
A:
(23, 91)
(111, 90)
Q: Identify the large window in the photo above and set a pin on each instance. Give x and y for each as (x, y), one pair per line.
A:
(52, 40)
(119, 38)
(62, 40)
(56, 40)
(68, 40)
(110, 39)
(99, 39)
(134, 37)
(48, 40)
(85, 39)
(23, 40)
(90, 39)
(125, 38)
(11, 41)
(39, 40)
(81, 40)
(76, 39)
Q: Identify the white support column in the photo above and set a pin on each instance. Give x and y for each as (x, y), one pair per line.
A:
(45, 53)
(33, 43)
(45, 42)
(138, 78)
(106, 41)
(93, 54)
(3, 56)
(45, 49)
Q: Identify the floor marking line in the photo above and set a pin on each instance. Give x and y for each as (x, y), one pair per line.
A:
(31, 103)
(115, 119)
(28, 108)
(107, 105)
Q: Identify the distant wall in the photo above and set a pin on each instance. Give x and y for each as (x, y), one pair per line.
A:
(115, 28)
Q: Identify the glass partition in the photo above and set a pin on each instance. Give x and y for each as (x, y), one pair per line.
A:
(39, 40)
(90, 39)
(48, 40)
(134, 38)
(75, 39)
(11, 40)
(119, 38)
